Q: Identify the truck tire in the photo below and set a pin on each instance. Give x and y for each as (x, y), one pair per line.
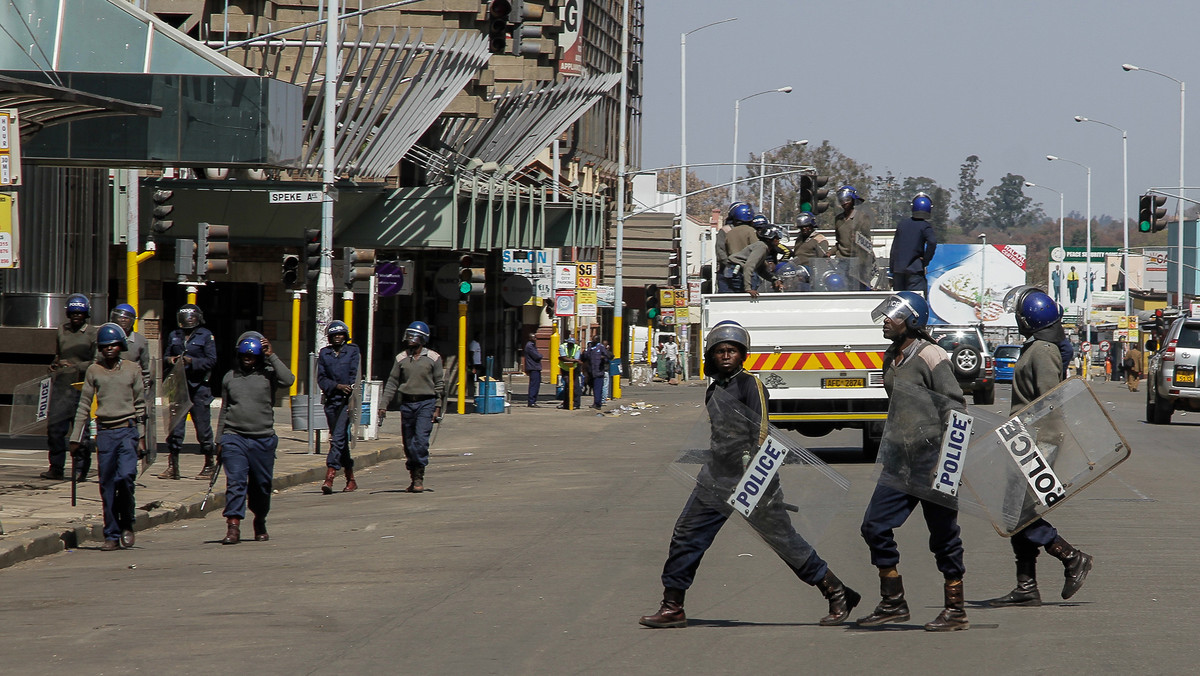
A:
(872, 435)
(966, 362)
(985, 397)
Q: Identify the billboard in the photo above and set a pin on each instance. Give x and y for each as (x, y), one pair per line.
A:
(1072, 283)
(570, 38)
(967, 283)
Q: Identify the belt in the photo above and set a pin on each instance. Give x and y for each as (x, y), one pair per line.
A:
(114, 426)
(416, 397)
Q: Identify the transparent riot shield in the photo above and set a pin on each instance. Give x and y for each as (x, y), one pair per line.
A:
(355, 412)
(175, 402)
(1049, 451)
(737, 463)
(31, 405)
(150, 395)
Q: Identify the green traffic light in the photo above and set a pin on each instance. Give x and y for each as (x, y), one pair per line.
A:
(806, 206)
(652, 313)
(464, 287)
(1144, 226)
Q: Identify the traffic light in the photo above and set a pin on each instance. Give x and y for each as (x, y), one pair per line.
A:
(1152, 213)
(360, 264)
(312, 254)
(674, 268)
(185, 261)
(706, 279)
(807, 198)
(212, 249)
(652, 302)
(497, 25)
(471, 280)
(820, 194)
(162, 209)
(521, 13)
(291, 270)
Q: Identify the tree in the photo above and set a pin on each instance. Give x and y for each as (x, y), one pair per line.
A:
(1009, 208)
(940, 218)
(969, 206)
(701, 205)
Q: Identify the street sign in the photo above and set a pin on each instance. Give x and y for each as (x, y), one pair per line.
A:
(585, 303)
(1104, 346)
(694, 286)
(564, 276)
(668, 316)
(10, 147)
(9, 232)
(564, 303)
(294, 196)
(666, 298)
(395, 278)
(543, 287)
(681, 314)
(680, 299)
(446, 281)
(586, 269)
(516, 290)
(606, 294)
(1086, 347)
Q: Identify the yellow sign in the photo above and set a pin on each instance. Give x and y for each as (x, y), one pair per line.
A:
(8, 231)
(680, 299)
(582, 296)
(681, 314)
(10, 148)
(586, 269)
(666, 298)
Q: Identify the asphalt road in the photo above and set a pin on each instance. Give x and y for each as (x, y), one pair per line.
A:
(541, 543)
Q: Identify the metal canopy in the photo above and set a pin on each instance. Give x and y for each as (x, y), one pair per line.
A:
(42, 105)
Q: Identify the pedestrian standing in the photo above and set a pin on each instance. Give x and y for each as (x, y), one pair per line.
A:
(569, 364)
(597, 365)
(916, 361)
(337, 374)
(196, 348)
(1037, 371)
(246, 430)
(116, 386)
(705, 512)
(913, 248)
(416, 384)
(1133, 367)
(533, 369)
(75, 350)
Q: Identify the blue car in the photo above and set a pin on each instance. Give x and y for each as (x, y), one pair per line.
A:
(1006, 358)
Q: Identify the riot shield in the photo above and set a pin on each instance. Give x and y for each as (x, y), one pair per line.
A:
(355, 412)
(1049, 451)
(31, 405)
(150, 395)
(737, 463)
(176, 402)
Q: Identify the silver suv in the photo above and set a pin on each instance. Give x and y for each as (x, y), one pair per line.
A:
(1171, 376)
(970, 360)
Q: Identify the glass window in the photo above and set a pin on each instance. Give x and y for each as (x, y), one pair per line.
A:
(1008, 352)
(1189, 336)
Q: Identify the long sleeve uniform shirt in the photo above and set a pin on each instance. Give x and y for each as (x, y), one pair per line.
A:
(248, 399)
(815, 246)
(118, 393)
(737, 410)
(533, 358)
(1037, 371)
(200, 346)
(913, 247)
(755, 258)
(76, 347)
(416, 375)
(138, 352)
(739, 238)
(917, 414)
(337, 367)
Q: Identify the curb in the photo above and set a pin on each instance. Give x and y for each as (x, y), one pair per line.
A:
(51, 540)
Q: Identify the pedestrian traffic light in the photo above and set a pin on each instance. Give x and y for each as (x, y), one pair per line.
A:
(162, 209)
(820, 194)
(312, 254)
(1152, 213)
(497, 25)
(521, 14)
(212, 249)
(359, 263)
(652, 301)
(471, 280)
(291, 270)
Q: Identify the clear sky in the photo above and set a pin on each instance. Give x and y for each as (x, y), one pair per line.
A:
(916, 86)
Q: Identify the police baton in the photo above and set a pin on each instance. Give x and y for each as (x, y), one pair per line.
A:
(212, 482)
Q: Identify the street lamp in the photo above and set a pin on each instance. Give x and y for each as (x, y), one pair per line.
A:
(1179, 205)
(1125, 202)
(983, 272)
(1061, 277)
(737, 111)
(762, 170)
(1087, 317)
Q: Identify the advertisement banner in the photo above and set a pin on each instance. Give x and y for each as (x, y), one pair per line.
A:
(570, 38)
(1073, 282)
(967, 283)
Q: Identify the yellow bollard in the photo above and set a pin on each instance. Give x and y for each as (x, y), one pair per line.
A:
(569, 402)
(617, 341)
(462, 357)
(555, 342)
(295, 361)
(348, 311)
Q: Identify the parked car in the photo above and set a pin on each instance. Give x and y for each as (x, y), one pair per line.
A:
(1171, 374)
(970, 360)
(1006, 357)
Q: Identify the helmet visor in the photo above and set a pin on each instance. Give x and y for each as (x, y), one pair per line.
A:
(894, 308)
(414, 335)
(1014, 296)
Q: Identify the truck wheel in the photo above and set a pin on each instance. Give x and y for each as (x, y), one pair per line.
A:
(985, 397)
(872, 435)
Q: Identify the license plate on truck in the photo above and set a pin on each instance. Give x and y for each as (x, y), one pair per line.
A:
(842, 383)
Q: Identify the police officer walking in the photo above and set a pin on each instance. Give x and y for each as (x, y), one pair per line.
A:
(337, 373)
(1037, 371)
(913, 248)
(246, 430)
(916, 361)
(416, 383)
(116, 385)
(569, 363)
(74, 352)
(195, 346)
(705, 512)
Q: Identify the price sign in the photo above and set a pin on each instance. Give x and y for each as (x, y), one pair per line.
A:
(586, 269)
(680, 298)
(585, 282)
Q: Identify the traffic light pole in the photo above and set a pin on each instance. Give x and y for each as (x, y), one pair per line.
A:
(618, 325)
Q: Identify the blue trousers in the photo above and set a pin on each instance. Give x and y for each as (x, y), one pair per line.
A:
(723, 283)
(1028, 540)
(702, 517)
(249, 466)
(575, 381)
(201, 421)
(904, 281)
(890, 508)
(416, 423)
(535, 385)
(597, 390)
(117, 458)
(337, 414)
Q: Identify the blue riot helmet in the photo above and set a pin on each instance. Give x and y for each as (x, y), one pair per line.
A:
(907, 306)
(1036, 312)
(1012, 299)
(189, 316)
(833, 280)
(760, 221)
(847, 193)
(77, 302)
(418, 331)
(123, 311)
(337, 326)
(922, 207)
(249, 334)
(806, 220)
(111, 334)
(740, 212)
(250, 345)
(793, 277)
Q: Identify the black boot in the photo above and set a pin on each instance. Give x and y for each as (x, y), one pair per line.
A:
(210, 465)
(842, 599)
(893, 607)
(1025, 593)
(1076, 565)
(670, 614)
(952, 617)
(172, 470)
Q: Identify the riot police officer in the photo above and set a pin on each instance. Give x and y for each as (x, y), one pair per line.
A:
(916, 361)
(246, 430)
(116, 385)
(196, 347)
(416, 384)
(740, 235)
(706, 510)
(808, 246)
(138, 350)
(74, 352)
(913, 248)
(337, 374)
(1037, 371)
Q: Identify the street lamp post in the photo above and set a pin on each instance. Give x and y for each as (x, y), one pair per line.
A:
(737, 111)
(1124, 203)
(1087, 317)
(1061, 245)
(762, 170)
(1179, 204)
(983, 271)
